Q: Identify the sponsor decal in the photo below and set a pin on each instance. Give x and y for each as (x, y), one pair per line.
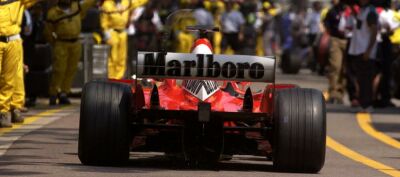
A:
(205, 66)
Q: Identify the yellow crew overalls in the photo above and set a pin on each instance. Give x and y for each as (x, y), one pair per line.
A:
(184, 39)
(219, 8)
(114, 20)
(12, 92)
(63, 30)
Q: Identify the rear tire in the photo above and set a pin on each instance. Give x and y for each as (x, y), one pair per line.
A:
(291, 62)
(104, 123)
(299, 130)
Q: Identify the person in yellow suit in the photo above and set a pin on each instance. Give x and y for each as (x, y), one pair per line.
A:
(114, 19)
(216, 8)
(184, 38)
(63, 27)
(11, 53)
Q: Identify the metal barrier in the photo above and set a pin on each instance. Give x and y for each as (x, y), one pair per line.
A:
(100, 53)
(93, 64)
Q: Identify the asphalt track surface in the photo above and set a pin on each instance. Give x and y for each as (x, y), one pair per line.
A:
(358, 145)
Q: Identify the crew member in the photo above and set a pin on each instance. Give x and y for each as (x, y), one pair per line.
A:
(336, 53)
(11, 53)
(232, 22)
(184, 38)
(18, 97)
(362, 51)
(114, 19)
(63, 27)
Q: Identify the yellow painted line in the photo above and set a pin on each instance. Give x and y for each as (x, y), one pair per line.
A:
(31, 119)
(336, 146)
(364, 121)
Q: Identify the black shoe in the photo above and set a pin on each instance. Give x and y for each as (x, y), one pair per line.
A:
(355, 103)
(383, 104)
(63, 99)
(5, 120)
(53, 100)
(16, 116)
(377, 104)
(388, 104)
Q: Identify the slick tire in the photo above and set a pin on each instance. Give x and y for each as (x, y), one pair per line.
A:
(299, 130)
(291, 61)
(104, 133)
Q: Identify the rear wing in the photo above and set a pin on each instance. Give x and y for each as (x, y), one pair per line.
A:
(205, 67)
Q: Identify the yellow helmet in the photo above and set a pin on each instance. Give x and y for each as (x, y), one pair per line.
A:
(266, 5)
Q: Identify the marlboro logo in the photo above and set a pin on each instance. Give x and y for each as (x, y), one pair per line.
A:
(205, 66)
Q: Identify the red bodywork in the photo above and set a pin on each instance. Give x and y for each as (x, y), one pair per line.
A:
(173, 97)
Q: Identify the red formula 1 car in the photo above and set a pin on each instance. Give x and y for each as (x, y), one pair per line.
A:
(199, 120)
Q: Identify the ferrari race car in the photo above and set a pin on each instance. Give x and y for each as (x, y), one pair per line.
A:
(201, 108)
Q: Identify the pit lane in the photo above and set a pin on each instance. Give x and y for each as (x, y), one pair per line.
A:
(47, 146)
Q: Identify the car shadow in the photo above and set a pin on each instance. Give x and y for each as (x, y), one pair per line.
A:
(387, 127)
(331, 108)
(162, 163)
(12, 172)
(391, 127)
